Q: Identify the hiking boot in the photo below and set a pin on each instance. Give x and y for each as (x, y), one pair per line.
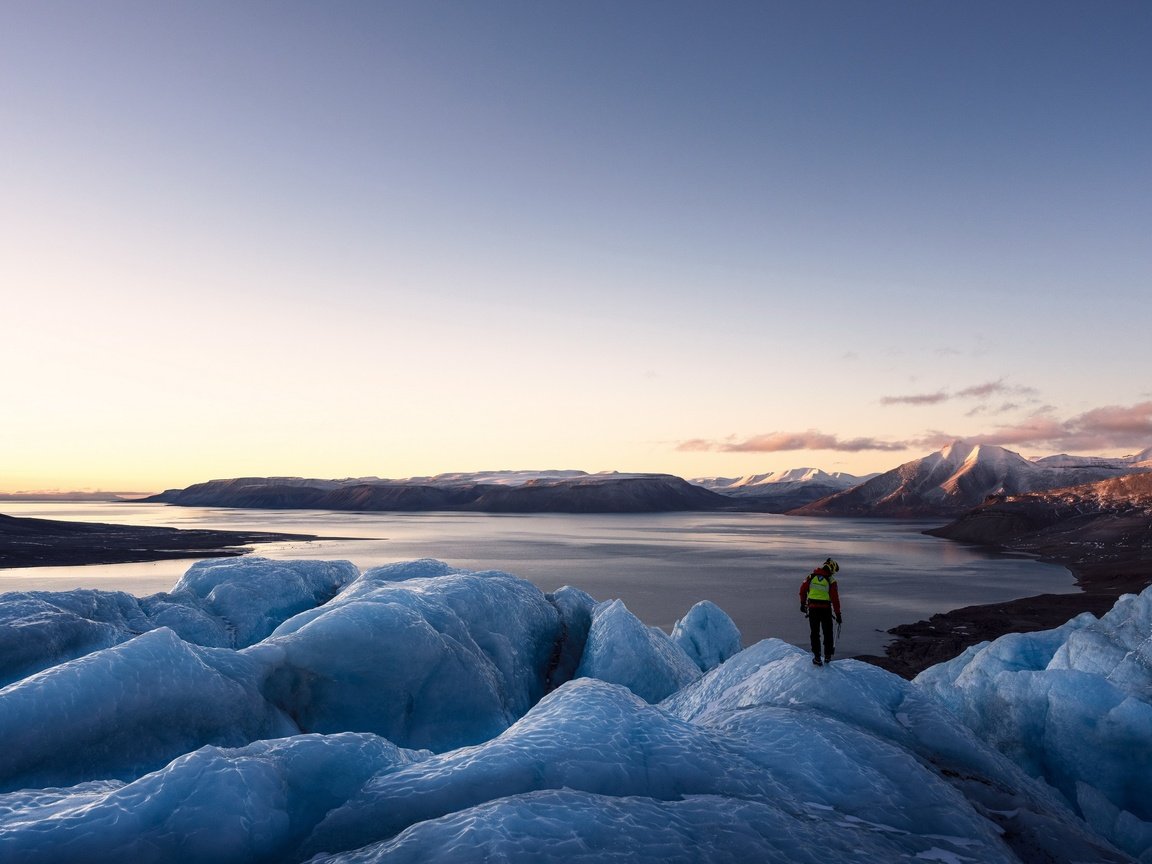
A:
(816, 661)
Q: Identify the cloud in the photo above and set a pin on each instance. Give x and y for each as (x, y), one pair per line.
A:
(976, 391)
(1117, 420)
(933, 440)
(982, 391)
(1110, 426)
(778, 442)
(1037, 429)
(988, 409)
(696, 444)
(1106, 428)
(916, 399)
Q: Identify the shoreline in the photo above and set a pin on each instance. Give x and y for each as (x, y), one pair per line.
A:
(946, 635)
(28, 542)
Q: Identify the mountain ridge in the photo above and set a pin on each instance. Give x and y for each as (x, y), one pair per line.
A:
(942, 484)
(781, 491)
(960, 476)
(582, 493)
(1092, 523)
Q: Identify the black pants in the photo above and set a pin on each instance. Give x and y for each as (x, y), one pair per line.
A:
(820, 618)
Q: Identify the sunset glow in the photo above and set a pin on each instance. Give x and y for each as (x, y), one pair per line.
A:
(397, 239)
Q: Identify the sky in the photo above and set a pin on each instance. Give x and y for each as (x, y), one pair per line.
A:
(340, 239)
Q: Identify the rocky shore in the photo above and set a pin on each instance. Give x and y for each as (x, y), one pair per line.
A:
(1102, 532)
(944, 636)
(53, 543)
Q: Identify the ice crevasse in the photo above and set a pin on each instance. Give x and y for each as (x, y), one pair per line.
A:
(304, 711)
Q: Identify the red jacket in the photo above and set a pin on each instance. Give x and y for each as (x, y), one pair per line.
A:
(833, 591)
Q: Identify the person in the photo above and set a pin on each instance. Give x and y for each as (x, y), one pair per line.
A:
(820, 602)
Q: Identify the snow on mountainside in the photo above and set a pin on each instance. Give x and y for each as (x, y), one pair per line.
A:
(1120, 464)
(429, 714)
(518, 478)
(754, 484)
(947, 482)
(498, 478)
(1063, 460)
(779, 491)
(958, 477)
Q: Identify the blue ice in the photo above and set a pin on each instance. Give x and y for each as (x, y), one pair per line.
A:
(417, 712)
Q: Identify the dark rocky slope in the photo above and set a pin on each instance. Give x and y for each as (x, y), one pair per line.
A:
(1101, 526)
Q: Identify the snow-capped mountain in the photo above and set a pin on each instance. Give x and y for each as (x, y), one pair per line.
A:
(1121, 464)
(755, 484)
(960, 476)
(778, 491)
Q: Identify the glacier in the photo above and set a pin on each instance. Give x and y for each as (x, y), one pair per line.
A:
(298, 711)
(707, 634)
(230, 603)
(623, 650)
(1072, 706)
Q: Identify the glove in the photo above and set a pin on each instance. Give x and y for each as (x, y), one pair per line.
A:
(804, 609)
(839, 620)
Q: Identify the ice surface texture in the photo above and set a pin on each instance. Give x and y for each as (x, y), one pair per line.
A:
(707, 634)
(130, 709)
(417, 653)
(252, 596)
(624, 650)
(228, 603)
(426, 714)
(1072, 706)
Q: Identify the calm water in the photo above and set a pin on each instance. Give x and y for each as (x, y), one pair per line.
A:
(749, 564)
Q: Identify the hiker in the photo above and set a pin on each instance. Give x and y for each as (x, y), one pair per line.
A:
(820, 603)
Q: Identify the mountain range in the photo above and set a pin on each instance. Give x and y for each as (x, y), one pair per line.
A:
(945, 483)
(781, 491)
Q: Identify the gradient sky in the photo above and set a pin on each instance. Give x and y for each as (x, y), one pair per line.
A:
(396, 238)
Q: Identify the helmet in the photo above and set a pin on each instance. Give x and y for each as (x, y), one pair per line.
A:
(831, 566)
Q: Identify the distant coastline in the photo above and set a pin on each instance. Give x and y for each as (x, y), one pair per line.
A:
(28, 542)
(66, 497)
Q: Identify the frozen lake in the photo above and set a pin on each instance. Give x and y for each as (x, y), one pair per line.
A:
(749, 564)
